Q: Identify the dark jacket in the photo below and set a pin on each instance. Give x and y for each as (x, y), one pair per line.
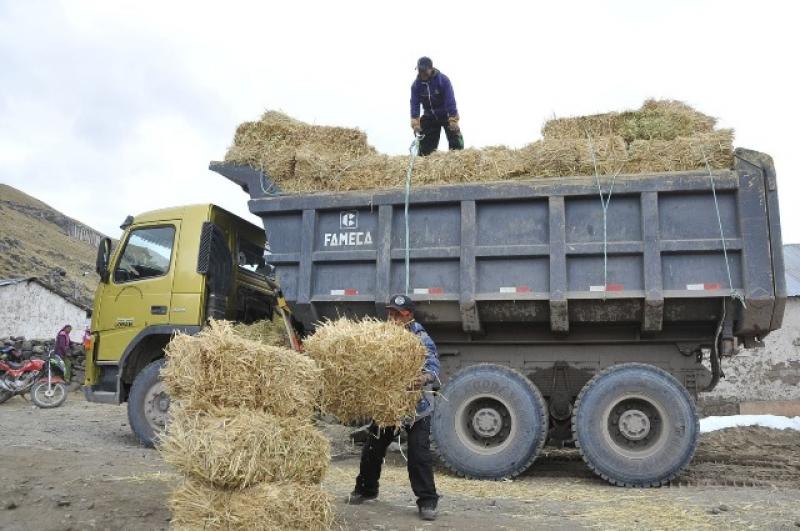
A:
(63, 343)
(425, 406)
(435, 95)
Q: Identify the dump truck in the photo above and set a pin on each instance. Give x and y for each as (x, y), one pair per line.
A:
(586, 310)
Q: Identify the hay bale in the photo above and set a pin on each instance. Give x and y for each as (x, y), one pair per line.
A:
(303, 158)
(605, 124)
(665, 120)
(263, 507)
(655, 120)
(218, 368)
(234, 448)
(369, 369)
(682, 153)
(274, 142)
(564, 157)
(268, 331)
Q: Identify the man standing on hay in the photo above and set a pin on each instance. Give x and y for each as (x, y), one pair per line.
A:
(420, 460)
(434, 92)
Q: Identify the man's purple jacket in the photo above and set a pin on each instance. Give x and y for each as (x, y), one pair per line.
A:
(435, 95)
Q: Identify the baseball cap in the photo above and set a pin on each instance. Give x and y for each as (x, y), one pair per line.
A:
(400, 302)
(424, 63)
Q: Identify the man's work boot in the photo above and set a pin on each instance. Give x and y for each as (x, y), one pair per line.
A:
(428, 512)
(356, 498)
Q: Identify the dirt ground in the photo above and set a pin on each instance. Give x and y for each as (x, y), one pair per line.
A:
(79, 467)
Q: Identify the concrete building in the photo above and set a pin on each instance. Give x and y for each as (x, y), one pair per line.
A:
(31, 308)
(771, 372)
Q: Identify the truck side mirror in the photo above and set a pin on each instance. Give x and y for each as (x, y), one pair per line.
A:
(103, 259)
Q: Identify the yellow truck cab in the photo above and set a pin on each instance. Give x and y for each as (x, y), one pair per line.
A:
(172, 270)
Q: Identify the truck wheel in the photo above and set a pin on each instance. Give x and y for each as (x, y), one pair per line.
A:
(148, 404)
(635, 425)
(489, 423)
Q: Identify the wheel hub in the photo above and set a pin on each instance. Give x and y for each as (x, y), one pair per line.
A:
(634, 425)
(487, 422)
(156, 406)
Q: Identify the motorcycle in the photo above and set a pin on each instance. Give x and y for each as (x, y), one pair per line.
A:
(46, 379)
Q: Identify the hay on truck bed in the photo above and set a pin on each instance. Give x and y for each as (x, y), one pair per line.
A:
(661, 136)
(269, 332)
(219, 368)
(369, 370)
(263, 507)
(235, 448)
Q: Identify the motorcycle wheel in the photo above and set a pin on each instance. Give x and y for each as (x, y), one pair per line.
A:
(55, 398)
(5, 395)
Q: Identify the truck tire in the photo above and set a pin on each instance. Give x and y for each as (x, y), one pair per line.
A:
(635, 425)
(489, 423)
(148, 404)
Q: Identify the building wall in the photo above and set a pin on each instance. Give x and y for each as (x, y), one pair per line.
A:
(29, 309)
(769, 373)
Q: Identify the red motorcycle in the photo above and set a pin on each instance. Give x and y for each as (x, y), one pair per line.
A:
(44, 378)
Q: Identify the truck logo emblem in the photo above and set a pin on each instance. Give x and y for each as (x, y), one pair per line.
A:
(348, 219)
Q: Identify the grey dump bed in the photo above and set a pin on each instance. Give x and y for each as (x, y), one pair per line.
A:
(490, 256)
(556, 319)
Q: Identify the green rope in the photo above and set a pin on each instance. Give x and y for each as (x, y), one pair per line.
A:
(734, 294)
(605, 200)
(413, 151)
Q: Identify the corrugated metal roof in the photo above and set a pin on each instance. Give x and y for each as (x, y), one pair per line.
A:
(791, 258)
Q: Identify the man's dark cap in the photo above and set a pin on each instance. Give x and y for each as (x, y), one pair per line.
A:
(400, 302)
(424, 63)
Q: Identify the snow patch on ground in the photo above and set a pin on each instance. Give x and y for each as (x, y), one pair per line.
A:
(767, 421)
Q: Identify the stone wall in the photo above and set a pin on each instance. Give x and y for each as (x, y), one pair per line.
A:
(29, 309)
(769, 373)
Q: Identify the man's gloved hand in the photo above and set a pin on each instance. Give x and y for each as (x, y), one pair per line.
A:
(452, 123)
(415, 125)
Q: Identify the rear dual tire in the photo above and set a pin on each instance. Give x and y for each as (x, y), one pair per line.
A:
(636, 425)
(490, 422)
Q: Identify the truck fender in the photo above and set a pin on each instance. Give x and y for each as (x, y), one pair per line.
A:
(131, 358)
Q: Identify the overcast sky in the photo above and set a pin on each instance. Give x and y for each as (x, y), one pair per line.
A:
(110, 108)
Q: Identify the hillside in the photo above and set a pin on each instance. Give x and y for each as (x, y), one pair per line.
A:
(36, 240)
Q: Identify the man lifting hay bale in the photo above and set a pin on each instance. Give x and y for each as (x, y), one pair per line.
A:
(375, 369)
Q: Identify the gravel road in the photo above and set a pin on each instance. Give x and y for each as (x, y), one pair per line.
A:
(79, 467)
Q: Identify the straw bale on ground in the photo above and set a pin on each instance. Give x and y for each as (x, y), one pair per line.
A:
(218, 368)
(233, 448)
(269, 332)
(304, 158)
(263, 507)
(369, 369)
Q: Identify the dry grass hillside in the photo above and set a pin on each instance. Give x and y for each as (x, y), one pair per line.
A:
(36, 240)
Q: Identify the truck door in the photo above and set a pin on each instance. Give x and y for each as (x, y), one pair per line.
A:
(139, 291)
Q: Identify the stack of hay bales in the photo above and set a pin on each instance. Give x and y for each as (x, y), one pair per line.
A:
(663, 135)
(369, 370)
(240, 431)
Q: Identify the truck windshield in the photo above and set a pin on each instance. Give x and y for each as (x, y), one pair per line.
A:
(147, 254)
